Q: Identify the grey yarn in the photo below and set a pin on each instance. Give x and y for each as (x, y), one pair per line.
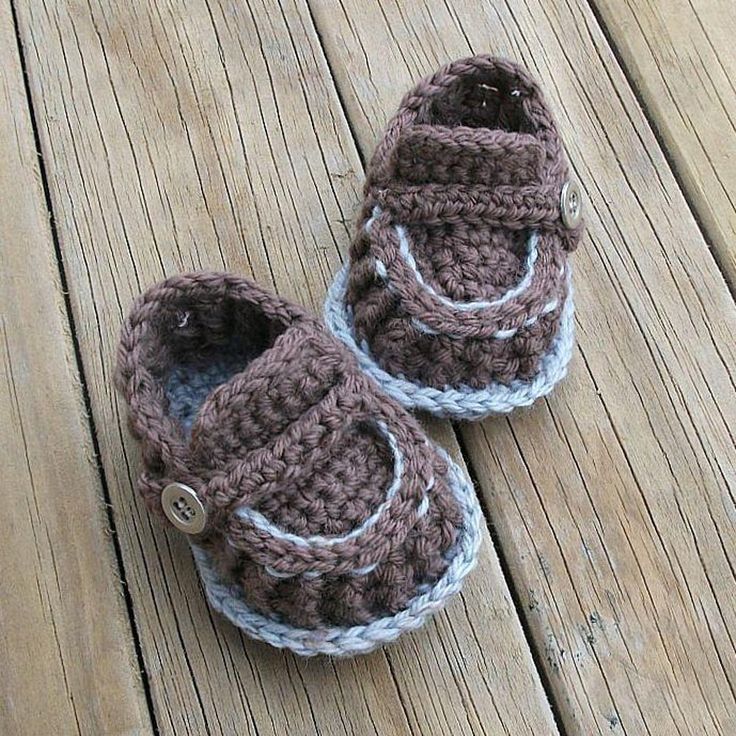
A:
(459, 402)
(345, 641)
(189, 384)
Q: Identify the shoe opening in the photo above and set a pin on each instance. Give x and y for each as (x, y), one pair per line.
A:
(486, 98)
(194, 347)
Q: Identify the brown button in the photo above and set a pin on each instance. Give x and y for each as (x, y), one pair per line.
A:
(183, 508)
(571, 204)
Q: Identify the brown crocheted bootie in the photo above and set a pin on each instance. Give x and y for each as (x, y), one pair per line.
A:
(320, 516)
(457, 298)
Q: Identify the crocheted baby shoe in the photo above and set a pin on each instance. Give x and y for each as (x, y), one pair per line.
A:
(320, 516)
(457, 298)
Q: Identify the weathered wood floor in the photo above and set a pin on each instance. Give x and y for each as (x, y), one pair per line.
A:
(141, 138)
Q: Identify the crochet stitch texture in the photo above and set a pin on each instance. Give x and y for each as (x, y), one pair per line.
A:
(457, 298)
(333, 524)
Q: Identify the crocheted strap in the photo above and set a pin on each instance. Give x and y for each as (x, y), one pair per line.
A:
(503, 207)
(359, 551)
(444, 155)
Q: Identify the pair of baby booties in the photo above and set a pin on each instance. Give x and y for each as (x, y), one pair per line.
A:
(320, 516)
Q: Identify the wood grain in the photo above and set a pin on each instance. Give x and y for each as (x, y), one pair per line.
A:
(69, 664)
(613, 501)
(183, 135)
(680, 55)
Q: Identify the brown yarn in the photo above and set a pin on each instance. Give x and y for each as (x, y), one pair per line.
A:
(251, 402)
(469, 165)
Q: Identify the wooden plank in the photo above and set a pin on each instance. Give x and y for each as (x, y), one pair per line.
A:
(681, 57)
(65, 642)
(187, 134)
(614, 500)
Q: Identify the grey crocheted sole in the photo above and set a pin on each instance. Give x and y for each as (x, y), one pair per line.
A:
(228, 600)
(461, 402)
